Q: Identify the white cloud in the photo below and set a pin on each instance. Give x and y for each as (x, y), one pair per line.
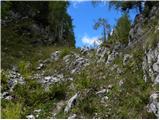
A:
(91, 41)
(76, 3)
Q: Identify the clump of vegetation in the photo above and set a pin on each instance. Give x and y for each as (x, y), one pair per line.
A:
(121, 31)
(12, 111)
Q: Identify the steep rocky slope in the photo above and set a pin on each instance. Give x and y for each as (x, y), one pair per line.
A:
(55, 82)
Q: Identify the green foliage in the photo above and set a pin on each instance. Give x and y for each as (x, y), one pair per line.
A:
(4, 80)
(121, 31)
(25, 68)
(5, 7)
(12, 111)
(148, 6)
(65, 52)
(106, 27)
(59, 21)
(126, 5)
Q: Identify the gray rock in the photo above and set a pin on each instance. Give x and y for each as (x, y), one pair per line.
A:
(156, 67)
(8, 98)
(101, 92)
(111, 57)
(55, 55)
(121, 82)
(4, 94)
(14, 79)
(110, 86)
(126, 59)
(153, 105)
(156, 81)
(84, 50)
(78, 64)
(102, 54)
(72, 117)
(71, 102)
(41, 65)
(66, 59)
(119, 71)
(150, 65)
(30, 117)
(37, 111)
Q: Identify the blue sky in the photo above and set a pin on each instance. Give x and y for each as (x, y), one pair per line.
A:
(84, 15)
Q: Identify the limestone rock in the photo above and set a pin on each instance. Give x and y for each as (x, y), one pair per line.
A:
(30, 117)
(126, 59)
(153, 105)
(71, 102)
(72, 117)
(14, 79)
(111, 57)
(55, 55)
(101, 92)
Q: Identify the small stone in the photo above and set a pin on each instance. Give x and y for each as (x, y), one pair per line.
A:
(55, 56)
(37, 111)
(101, 92)
(156, 67)
(156, 81)
(109, 86)
(121, 82)
(9, 98)
(30, 117)
(126, 59)
(40, 66)
(73, 116)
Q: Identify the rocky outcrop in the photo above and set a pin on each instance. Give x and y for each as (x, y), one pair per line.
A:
(75, 63)
(150, 65)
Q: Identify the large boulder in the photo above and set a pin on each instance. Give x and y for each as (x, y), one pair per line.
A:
(150, 65)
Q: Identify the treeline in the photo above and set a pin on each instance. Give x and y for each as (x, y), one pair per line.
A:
(44, 13)
(121, 30)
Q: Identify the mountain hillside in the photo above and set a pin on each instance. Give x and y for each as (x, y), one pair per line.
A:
(60, 81)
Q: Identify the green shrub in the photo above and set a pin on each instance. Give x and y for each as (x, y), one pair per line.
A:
(12, 111)
(4, 80)
(25, 68)
(65, 52)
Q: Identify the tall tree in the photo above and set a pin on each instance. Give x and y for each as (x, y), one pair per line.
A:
(104, 24)
(121, 31)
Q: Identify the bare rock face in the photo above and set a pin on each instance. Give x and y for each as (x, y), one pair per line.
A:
(111, 57)
(102, 54)
(75, 63)
(153, 105)
(150, 65)
(78, 64)
(84, 50)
